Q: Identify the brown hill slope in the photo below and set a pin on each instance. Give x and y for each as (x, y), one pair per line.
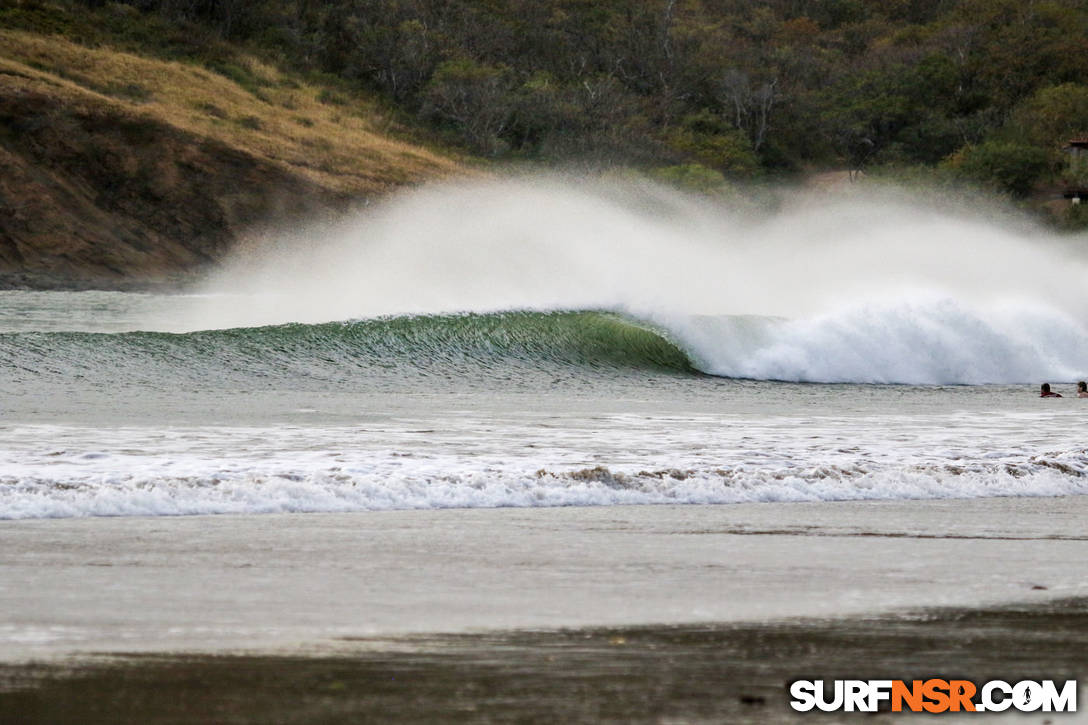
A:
(121, 171)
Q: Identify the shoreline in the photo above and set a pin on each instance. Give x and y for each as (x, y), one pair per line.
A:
(271, 583)
(645, 614)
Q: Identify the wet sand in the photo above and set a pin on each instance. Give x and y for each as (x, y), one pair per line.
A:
(683, 674)
(650, 614)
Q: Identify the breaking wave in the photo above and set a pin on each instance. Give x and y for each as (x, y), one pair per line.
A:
(475, 346)
(921, 341)
(347, 490)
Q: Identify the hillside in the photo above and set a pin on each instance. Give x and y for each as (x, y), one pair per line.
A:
(118, 170)
(982, 91)
(142, 139)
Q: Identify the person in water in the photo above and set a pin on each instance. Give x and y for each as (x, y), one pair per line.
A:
(1044, 392)
(1082, 389)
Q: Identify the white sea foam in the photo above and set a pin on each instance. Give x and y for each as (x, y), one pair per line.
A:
(919, 339)
(470, 463)
(326, 493)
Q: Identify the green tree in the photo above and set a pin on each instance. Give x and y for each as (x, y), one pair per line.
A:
(1052, 116)
(474, 98)
(1011, 167)
(691, 177)
(707, 138)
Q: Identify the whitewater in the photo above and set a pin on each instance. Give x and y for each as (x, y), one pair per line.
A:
(561, 342)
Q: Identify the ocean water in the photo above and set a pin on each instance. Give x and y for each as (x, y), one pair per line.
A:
(549, 344)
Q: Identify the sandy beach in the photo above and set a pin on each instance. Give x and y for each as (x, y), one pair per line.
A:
(680, 674)
(698, 613)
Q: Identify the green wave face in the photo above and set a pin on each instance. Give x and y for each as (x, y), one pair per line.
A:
(481, 347)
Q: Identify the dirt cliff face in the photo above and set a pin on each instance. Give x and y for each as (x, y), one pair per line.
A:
(120, 170)
(97, 197)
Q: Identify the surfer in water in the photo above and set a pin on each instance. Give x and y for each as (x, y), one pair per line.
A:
(1082, 389)
(1045, 392)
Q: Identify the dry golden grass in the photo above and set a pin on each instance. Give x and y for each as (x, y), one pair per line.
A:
(338, 143)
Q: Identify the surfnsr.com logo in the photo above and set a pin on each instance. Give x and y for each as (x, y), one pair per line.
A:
(933, 695)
